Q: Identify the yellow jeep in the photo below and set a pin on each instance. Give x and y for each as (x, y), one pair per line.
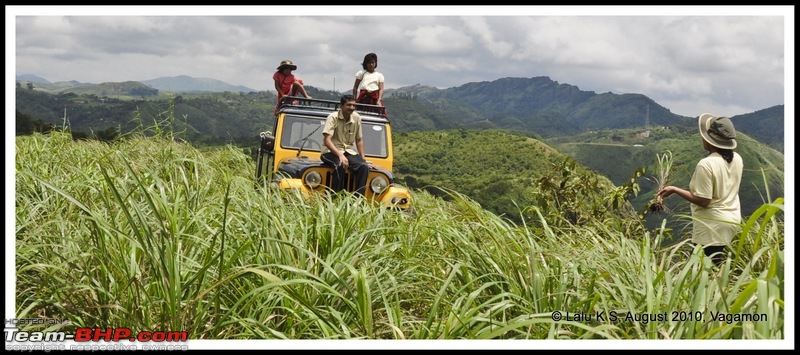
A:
(294, 152)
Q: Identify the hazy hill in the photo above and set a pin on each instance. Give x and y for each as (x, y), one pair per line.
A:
(124, 90)
(32, 78)
(413, 90)
(175, 84)
(183, 83)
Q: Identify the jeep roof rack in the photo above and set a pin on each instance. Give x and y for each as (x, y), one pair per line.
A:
(328, 105)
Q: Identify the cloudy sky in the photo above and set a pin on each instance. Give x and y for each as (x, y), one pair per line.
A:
(724, 60)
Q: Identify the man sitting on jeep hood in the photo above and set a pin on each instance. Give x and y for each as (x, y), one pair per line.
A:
(342, 129)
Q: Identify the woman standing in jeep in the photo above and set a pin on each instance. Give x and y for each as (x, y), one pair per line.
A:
(368, 87)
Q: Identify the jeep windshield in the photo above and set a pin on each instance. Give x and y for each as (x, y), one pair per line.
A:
(306, 131)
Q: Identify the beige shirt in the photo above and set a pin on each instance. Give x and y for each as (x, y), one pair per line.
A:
(717, 180)
(344, 133)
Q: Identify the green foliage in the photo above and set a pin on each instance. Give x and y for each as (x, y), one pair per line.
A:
(143, 230)
(507, 173)
(154, 234)
(26, 125)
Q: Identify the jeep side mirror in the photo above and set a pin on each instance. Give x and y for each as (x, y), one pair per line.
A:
(267, 142)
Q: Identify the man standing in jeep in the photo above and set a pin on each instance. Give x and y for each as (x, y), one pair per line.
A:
(342, 129)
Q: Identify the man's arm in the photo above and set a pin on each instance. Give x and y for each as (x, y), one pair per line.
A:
(329, 143)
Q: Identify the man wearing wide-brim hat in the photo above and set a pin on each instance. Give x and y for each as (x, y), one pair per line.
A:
(714, 188)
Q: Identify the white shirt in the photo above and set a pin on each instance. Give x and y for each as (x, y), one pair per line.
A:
(369, 81)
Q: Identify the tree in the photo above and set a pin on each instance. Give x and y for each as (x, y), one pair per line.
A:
(26, 125)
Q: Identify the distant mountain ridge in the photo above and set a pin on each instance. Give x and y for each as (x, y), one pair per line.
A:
(176, 84)
(32, 78)
(539, 105)
(183, 83)
(548, 107)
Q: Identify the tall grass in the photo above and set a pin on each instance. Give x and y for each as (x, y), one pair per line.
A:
(153, 234)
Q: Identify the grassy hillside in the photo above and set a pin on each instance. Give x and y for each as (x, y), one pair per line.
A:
(152, 234)
(618, 153)
(505, 172)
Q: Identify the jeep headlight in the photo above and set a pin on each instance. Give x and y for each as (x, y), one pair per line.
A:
(378, 184)
(313, 179)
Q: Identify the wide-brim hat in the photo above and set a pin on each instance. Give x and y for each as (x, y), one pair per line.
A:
(717, 131)
(287, 63)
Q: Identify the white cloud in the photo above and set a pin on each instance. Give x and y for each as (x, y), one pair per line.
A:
(731, 58)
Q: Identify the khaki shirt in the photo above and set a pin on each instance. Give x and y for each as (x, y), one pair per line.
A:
(344, 133)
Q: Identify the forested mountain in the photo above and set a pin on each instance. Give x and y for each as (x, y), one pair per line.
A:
(538, 105)
(766, 125)
(548, 108)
